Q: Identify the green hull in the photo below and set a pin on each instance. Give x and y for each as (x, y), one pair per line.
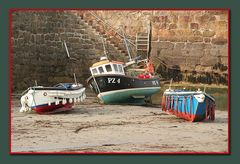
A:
(128, 96)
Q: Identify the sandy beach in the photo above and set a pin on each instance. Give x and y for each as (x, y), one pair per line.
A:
(92, 127)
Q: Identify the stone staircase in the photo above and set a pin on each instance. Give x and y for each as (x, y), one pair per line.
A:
(105, 30)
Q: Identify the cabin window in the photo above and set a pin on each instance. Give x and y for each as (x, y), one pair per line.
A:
(108, 68)
(94, 71)
(100, 69)
(120, 68)
(115, 67)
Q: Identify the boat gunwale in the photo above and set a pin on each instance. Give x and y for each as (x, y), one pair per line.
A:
(56, 88)
(182, 92)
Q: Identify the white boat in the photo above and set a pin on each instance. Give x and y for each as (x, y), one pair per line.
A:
(60, 97)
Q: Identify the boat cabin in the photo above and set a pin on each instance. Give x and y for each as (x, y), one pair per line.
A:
(107, 67)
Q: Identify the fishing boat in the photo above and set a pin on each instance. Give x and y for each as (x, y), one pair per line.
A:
(112, 86)
(58, 98)
(190, 105)
(112, 82)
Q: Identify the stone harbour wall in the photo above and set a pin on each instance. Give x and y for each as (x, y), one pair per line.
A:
(38, 52)
(189, 45)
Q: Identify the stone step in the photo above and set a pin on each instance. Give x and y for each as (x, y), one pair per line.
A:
(99, 30)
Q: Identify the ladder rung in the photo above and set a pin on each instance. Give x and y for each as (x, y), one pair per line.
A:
(141, 45)
(142, 40)
(143, 37)
(141, 34)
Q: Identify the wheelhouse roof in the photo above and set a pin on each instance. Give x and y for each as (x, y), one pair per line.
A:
(105, 62)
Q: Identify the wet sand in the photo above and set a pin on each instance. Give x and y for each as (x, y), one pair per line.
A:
(92, 127)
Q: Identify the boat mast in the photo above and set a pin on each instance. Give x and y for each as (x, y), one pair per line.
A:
(35, 82)
(126, 43)
(104, 48)
(149, 33)
(65, 45)
(75, 78)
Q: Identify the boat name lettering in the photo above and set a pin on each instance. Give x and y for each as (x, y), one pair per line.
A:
(155, 82)
(113, 80)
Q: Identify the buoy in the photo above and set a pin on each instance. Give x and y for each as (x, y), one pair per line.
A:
(49, 103)
(70, 100)
(78, 99)
(141, 76)
(147, 76)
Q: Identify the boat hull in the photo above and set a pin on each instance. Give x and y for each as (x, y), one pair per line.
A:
(53, 108)
(120, 89)
(45, 100)
(130, 96)
(192, 106)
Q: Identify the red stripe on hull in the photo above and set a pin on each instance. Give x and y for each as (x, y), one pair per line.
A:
(190, 117)
(53, 108)
(186, 116)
